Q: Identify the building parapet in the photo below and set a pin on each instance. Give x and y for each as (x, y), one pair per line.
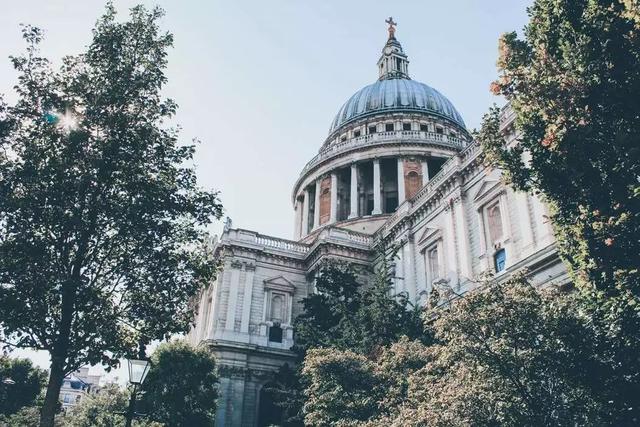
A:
(263, 241)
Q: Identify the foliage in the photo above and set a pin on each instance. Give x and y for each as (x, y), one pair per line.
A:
(345, 313)
(572, 83)
(101, 217)
(342, 386)
(505, 355)
(346, 388)
(27, 416)
(181, 387)
(28, 383)
(103, 409)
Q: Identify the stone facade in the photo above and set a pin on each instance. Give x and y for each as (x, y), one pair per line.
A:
(397, 167)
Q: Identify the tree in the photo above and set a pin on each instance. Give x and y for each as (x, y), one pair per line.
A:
(342, 387)
(28, 416)
(572, 82)
(345, 313)
(101, 218)
(507, 354)
(181, 387)
(346, 388)
(27, 384)
(103, 409)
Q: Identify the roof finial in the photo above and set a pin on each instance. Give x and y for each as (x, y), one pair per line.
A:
(392, 27)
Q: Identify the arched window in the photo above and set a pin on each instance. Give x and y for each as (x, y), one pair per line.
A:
(494, 219)
(414, 182)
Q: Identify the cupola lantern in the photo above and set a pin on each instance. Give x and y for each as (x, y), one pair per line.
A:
(393, 64)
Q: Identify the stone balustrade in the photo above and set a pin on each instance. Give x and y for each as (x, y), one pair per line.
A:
(246, 236)
(385, 137)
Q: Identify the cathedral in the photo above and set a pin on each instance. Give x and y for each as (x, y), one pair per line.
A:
(398, 167)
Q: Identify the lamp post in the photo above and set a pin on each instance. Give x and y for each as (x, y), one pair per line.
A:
(138, 370)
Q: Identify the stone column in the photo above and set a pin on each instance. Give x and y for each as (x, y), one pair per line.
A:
(304, 230)
(297, 229)
(316, 208)
(333, 213)
(377, 206)
(401, 187)
(425, 172)
(353, 197)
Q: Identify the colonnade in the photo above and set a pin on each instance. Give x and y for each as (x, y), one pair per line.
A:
(308, 215)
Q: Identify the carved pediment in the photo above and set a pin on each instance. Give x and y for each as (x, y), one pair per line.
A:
(279, 283)
(488, 186)
(430, 233)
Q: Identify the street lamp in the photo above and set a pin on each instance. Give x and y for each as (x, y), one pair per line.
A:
(8, 381)
(138, 370)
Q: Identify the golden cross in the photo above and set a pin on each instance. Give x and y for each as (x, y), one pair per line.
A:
(392, 25)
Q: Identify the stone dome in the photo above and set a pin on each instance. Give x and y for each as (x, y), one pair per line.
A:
(395, 95)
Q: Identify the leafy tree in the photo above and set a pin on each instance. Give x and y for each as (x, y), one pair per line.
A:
(101, 217)
(342, 387)
(346, 388)
(572, 81)
(27, 384)
(103, 409)
(27, 416)
(345, 313)
(181, 387)
(508, 354)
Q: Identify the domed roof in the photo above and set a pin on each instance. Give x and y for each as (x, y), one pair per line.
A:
(395, 95)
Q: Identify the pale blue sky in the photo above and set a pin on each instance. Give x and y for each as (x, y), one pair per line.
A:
(258, 82)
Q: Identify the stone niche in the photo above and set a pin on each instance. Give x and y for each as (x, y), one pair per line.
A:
(412, 177)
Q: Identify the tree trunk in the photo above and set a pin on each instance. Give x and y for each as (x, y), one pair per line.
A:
(51, 402)
(59, 357)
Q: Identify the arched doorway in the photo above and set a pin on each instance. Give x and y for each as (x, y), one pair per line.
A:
(269, 414)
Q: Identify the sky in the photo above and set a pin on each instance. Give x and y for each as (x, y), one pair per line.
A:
(259, 82)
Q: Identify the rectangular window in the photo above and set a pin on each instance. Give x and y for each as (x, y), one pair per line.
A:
(388, 127)
(424, 128)
(406, 126)
(372, 130)
(275, 334)
(500, 260)
(439, 130)
(343, 138)
(356, 133)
